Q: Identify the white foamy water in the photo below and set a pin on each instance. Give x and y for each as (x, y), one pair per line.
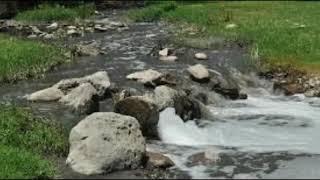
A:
(259, 124)
(262, 124)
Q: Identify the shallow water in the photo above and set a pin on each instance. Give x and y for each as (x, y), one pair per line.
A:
(266, 135)
(257, 128)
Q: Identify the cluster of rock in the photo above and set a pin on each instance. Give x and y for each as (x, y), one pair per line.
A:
(57, 30)
(111, 141)
(292, 81)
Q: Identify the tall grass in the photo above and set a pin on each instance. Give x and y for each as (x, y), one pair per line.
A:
(56, 12)
(20, 59)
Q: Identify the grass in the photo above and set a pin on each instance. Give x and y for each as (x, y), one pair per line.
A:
(20, 164)
(25, 142)
(20, 59)
(279, 32)
(51, 12)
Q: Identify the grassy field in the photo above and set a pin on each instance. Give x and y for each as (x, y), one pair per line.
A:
(25, 141)
(279, 32)
(20, 59)
(51, 12)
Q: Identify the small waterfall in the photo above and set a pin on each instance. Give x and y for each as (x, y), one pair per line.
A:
(263, 123)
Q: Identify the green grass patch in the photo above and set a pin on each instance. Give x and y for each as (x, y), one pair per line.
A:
(21, 129)
(153, 12)
(26, 142)
(278, 31)
(20, 59)
(55, 12)
(19, 164)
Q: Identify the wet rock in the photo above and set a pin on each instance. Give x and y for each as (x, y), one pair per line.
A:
(147, 76)
(35, 30)
(71, 27)
(101, 28)
(168, 58)
(164, 97)
(199, 73)
(49, 36)
(53, 26)
(82, 99)
(72, 32)
(106, 142)
(312, 93)
(87, 49)
(201, 56)
(165, 79)
(157, 160)
(32, 36)
(227, 88)
(143, 110)
(289, 89)
(100, 81)
(164, 52)
(48, 94)
(189, 108)
(208, 157)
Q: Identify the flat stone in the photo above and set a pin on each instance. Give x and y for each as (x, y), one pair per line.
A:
(168, 58)
(146, 76)
(201, 56)
(199, 73)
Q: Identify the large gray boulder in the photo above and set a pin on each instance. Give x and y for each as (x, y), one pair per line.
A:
(106, 142)
(48, 94)
(82, 99)
(144, 110)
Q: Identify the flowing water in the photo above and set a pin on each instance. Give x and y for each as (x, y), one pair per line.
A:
(267, 135)
(264, 136)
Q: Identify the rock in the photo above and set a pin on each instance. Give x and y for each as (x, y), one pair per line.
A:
(66, 84)
(289, 89)
(87, 49)
(82, 99)
(189, 108)
(227, 88)
(106, 142)
(165, 79)
(164, 97)
(208, 157)
(73, 32)
(199, 73)
(147, 76)
(101, 28)
(157, 160)
(32, 36)
(35, 30)
(72, 27)
(164, 52)
(312, 93)
(53, 26)
(100, 81)
(201, 56)
(48, 94)
(231, 26)
(49, 36)
(168, 58)
(143, 110)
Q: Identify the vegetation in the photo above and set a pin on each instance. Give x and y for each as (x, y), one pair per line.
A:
(280, 32)
(20, 164)
(55, 12)
(25, 140)
(20, 59)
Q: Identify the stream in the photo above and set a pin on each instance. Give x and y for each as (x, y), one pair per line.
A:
(267, 135)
